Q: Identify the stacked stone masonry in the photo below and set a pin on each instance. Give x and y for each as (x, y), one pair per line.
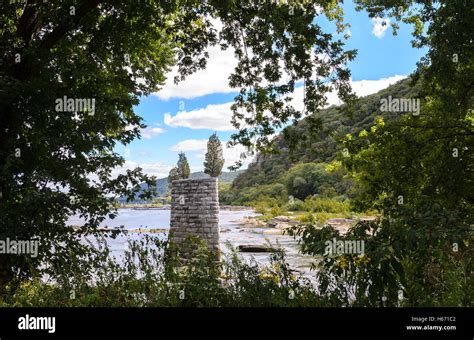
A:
(195, 211)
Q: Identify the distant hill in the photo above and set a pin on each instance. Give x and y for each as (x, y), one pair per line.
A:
(162, 183)
(227, 177)
(321, 144)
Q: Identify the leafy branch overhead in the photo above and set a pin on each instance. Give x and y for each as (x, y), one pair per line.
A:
(115, 53)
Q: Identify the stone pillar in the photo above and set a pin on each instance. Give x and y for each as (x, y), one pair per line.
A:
(195, 211)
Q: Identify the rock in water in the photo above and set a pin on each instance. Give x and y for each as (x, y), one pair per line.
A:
(273, 231)
(256, 249)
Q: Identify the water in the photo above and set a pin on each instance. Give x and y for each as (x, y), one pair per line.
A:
(231, 231)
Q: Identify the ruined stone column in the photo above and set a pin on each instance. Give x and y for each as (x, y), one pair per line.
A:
(195, 211)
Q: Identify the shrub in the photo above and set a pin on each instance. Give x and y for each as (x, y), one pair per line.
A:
(317, 204)
(144, 279)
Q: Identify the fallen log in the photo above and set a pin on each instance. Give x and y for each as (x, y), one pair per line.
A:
(255, 248)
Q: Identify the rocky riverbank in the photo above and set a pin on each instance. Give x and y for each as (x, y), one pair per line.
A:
(168, 207)
(277, 225)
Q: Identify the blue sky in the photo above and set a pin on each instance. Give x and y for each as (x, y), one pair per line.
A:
(183, 117)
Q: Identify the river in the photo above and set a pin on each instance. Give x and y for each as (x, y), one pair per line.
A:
(231, 232)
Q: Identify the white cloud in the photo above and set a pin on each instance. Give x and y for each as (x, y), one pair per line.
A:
(365, 87)
(220, 65)
(232, 155)
(361, 88)
(153, 169)
(190, 145)
(149, 132)
(380, 25)
(213, 117)
(213, 79)
(218, 117)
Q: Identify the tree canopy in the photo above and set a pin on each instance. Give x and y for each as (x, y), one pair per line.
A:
(106, 55)
(59, 163)
(418, 172)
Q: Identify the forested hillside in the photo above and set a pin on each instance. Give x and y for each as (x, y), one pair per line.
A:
(283, 174)
(321, 146)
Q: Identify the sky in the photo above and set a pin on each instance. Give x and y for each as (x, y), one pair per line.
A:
(182, 117)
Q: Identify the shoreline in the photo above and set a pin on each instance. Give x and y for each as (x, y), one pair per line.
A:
(168, 207)
(279, 224)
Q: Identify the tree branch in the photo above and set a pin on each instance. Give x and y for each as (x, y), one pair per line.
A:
(28, 21)
(61, 30)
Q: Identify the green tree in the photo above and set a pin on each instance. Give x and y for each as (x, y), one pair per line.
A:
(306, 179)
(173, 176)
(417, 171)
(214, 159)
(183, 166)
(55, 163)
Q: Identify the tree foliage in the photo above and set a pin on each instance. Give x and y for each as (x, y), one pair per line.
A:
(56, 164)
(173, 176)
(418, 172)
(183, 166)
(306, 179)
(303, 143)
(214, 159)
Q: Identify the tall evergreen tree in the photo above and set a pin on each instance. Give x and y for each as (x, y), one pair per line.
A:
(183, 166)
(214, 160)
(173, 175)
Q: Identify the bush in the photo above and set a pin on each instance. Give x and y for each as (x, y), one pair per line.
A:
(300, 181)
(402, 265)
(145, 279)
(297, 205)
(249, 196)
(317, 204)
